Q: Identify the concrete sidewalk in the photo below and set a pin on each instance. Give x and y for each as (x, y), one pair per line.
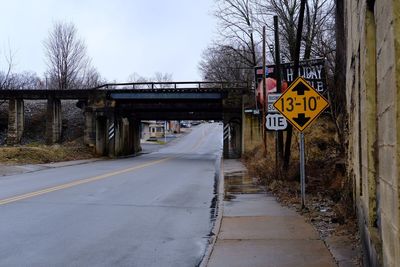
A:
(256, 230)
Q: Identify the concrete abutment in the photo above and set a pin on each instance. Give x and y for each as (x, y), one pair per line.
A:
(233, 136)
(53, 121)
(115, 135)
(16, 120)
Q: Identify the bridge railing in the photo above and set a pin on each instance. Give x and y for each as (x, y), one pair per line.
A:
(148, 86)
(196, 85)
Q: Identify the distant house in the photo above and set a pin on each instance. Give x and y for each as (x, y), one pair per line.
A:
(145, 130)
(157, 130)
(173, 127)
(151, 130)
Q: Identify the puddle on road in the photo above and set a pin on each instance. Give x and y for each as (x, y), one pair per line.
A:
(240, 183)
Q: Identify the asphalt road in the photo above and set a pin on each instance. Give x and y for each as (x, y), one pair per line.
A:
(151, 210)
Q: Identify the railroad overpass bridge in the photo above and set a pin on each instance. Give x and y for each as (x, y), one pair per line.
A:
(113, 111)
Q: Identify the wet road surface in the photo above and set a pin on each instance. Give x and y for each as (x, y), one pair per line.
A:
(152, 210)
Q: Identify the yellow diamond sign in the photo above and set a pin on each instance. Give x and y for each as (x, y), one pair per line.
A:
(301, 104)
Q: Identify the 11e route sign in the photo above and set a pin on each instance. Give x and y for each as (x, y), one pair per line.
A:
(275, 122)
(301, 104)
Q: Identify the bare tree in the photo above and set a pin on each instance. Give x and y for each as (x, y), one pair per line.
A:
(287, 12)
(319, 22)
(5, 75)
(25, 80)
(91, 78)
(158, 77)
(317, 17)
(237, 30)
(66, 56)
(221, 63)
(162, 77)
(137, 78)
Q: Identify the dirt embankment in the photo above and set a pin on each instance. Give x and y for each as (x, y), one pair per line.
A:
(33, 148)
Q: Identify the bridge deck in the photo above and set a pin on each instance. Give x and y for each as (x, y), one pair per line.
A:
(163, 90)
(165, 96)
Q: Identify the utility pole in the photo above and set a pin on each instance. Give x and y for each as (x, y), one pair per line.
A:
(264, 96)
(278, 134)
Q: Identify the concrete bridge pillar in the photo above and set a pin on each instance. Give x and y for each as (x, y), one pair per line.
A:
(135, 135)
(233, 121)
(121, 137)
(127, 137)
(101, 135)
(117, 136)
(89, 138)
(15, 121)
(112, 125)
(233, 136)
(53, 121)
(226, 137)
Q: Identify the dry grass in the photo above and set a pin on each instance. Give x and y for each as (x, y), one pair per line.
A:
(320, 142)
(36, 154)
(325, 167)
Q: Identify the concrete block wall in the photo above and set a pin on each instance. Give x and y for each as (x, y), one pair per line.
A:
(373, 93)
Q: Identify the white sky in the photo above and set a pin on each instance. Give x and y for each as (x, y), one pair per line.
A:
(122, 36)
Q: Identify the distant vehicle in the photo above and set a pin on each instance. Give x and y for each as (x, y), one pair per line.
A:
(186, 124)
(196, 122)
(152, 139)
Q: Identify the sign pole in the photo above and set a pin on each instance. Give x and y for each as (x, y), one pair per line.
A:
(165, 132)
(301, 104)
(302, 172)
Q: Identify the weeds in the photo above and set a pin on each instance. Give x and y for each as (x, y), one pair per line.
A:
(36, 154)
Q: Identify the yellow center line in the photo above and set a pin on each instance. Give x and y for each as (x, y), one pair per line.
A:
(78, 182)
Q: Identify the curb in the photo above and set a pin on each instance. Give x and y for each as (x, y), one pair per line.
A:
(29, 168)
(217, 225)
(69, 163)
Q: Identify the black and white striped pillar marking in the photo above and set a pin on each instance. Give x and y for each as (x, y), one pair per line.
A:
(111, 131)
(227, 131)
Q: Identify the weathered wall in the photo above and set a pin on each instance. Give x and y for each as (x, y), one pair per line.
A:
(252, 131)
(16, 121)
(373, 93)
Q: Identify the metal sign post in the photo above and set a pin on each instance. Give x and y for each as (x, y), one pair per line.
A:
(301, 104)
(165, 132)
(302, 171)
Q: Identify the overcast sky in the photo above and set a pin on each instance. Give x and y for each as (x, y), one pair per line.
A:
(122, 36)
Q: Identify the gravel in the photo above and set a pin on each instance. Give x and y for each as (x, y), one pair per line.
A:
(35, 121)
